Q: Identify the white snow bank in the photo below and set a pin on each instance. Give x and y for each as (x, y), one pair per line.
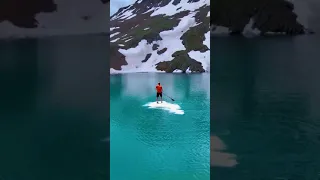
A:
(204, 57)
(113, 28)
(171, 9)
(115, 40)
(114, 34)
(248, 31)
(219, 30)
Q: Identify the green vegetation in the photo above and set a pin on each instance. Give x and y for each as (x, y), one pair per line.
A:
(194, 37)
(150, 28)
(181, 61)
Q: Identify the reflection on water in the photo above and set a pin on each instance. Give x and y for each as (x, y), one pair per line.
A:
(219, 157)
(53, 108)
(266, 97)
(177, 86)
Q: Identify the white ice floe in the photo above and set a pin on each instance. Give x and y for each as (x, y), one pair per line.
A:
(170, 107)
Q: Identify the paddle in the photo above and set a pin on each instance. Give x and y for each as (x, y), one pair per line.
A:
(168, 97)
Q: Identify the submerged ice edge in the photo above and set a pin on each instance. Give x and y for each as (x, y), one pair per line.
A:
(170, 107)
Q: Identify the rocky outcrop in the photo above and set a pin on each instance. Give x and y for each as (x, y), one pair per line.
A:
(118, 60)
(22, 13)
(40, 18)
(181, 61)
(266, 16)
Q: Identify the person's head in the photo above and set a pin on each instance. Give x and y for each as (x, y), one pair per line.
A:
(158, 83)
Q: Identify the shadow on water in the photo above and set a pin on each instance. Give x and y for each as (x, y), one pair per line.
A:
(18, 76)
(54, 96)
(265, 96)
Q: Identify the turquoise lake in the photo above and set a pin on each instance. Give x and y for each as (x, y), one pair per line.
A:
(154, 143)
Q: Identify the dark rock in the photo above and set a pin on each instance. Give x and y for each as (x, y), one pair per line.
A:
(192, 1)
(161, 51)
(181, 61)
(150, 37)
(155, 47)
(176, 2)
(268, 16)
(193, 39)
(22, 13)
(86, 18)
(116, 58)
(105, 1)
(146, 58)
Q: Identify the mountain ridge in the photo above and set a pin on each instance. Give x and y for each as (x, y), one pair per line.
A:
(257, 17)
(161, 36)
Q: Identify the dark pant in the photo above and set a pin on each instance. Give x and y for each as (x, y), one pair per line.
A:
(159, 94)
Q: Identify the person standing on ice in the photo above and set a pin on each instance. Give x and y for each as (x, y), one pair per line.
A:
(159, 92)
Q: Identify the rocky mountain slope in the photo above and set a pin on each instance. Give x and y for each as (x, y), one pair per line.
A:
(258, 17)
(34, 18)
(161, 35)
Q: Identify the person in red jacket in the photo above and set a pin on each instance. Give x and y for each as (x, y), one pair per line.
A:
(159, 92)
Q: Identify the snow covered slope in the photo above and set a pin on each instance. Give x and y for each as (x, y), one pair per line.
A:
(259, 17)
(34, 18)
(161, 36)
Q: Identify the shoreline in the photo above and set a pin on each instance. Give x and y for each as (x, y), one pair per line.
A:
(122, 73)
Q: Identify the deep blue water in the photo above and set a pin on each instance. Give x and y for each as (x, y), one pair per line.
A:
(54, 109)
(265, 119)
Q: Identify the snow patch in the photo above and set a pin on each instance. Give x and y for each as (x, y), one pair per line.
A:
(207, 39)
(249, 31)
(203, 57)
(152, 9)
(115, 40)
(171, 9)
(127, 15)
(113, 28)
(114, 34)
(128, 40)
(219, 30)
(121, 14)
